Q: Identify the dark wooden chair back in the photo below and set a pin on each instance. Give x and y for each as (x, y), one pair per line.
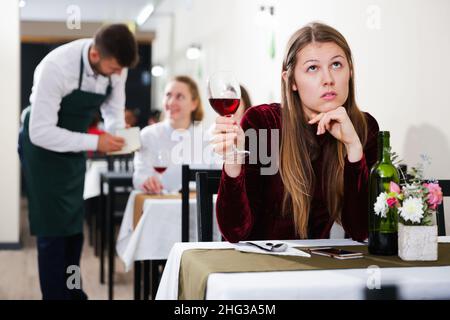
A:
(188, 175)
(440, 217)
(207, 186)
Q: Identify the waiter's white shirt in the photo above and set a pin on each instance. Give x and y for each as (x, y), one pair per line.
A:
(55, 77)
(190, 146)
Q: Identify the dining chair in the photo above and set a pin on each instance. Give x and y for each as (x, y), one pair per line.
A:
(115, 164)
(207, 185)
(119, 179)
(440, 217)
(152, 269)
(188, 175)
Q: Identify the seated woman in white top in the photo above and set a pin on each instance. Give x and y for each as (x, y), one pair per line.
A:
(180, 135)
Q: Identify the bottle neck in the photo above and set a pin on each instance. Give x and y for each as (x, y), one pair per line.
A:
(385, 150)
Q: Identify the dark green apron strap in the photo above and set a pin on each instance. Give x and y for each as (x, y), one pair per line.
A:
(80, 78)
(109, 88)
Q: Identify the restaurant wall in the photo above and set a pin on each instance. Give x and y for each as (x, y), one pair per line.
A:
(400, 50)
(9, 124)
(229, 39)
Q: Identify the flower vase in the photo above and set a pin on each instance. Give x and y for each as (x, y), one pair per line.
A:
(417, 243)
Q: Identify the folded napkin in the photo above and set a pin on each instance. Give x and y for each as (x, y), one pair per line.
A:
(290, 251)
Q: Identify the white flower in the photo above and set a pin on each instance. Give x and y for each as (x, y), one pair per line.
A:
(412, 209)
(380, 206)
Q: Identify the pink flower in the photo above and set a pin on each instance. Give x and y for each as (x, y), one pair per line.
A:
(434, 195)
(392, 202)
(394, 187)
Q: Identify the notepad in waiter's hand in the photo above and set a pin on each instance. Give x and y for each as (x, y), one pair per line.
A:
(132, 140)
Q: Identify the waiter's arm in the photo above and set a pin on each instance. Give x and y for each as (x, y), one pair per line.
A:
(48, 91)
(113, 109)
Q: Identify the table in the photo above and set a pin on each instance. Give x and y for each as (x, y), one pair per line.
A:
(158, 229)
(91, 192)
(411, 283)
(151, 239)
(94, 168)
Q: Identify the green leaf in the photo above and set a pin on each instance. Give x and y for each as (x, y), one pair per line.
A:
(427, 221)
(392, 194)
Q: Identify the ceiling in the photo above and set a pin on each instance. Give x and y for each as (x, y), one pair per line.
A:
(96, 10)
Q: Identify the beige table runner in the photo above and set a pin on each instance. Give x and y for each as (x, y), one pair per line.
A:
(140, 199)
(197, 264)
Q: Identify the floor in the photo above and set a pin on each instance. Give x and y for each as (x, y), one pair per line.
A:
(19, 275)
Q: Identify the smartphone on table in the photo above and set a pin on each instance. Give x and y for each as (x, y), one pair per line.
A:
(335, 253)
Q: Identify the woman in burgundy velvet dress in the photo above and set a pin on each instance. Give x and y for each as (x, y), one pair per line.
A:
(320, 143)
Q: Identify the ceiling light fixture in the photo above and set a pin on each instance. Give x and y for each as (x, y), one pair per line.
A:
(193, 52)
(144, 14)
(157, 70)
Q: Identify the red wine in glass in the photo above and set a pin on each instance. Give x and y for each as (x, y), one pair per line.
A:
(224, 94)
(224, 107)
(160, 170)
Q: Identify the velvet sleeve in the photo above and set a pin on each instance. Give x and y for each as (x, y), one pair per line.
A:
(356, 185)
(239, 199)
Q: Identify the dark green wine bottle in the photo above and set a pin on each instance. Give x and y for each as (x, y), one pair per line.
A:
(382, 227)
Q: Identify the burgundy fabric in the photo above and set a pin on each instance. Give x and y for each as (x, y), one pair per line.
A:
(249, 206)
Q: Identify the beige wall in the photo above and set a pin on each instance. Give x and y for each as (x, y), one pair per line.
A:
(56, 31)
(9, 122)
(400, 50)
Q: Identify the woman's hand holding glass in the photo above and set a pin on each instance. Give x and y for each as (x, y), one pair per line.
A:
(160, 162)
(228, 136)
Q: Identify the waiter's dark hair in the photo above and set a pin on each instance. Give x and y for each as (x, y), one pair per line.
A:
(117, 41)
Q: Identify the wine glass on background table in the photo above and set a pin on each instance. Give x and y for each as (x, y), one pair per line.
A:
(224, 95)
(161, 161)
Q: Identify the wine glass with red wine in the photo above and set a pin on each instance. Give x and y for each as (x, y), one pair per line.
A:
(224, 95)
(161, 161)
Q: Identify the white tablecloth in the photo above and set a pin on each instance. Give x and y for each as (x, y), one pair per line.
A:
(412, 283)
(158, 229)
(92, 177)
(94, 169)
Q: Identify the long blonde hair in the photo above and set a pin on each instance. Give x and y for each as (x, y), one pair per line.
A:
(298, 143)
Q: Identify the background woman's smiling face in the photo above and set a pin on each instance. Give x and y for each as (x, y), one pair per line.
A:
(322, 75)
(178, 101)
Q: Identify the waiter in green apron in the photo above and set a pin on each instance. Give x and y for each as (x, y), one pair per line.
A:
(70, 84)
